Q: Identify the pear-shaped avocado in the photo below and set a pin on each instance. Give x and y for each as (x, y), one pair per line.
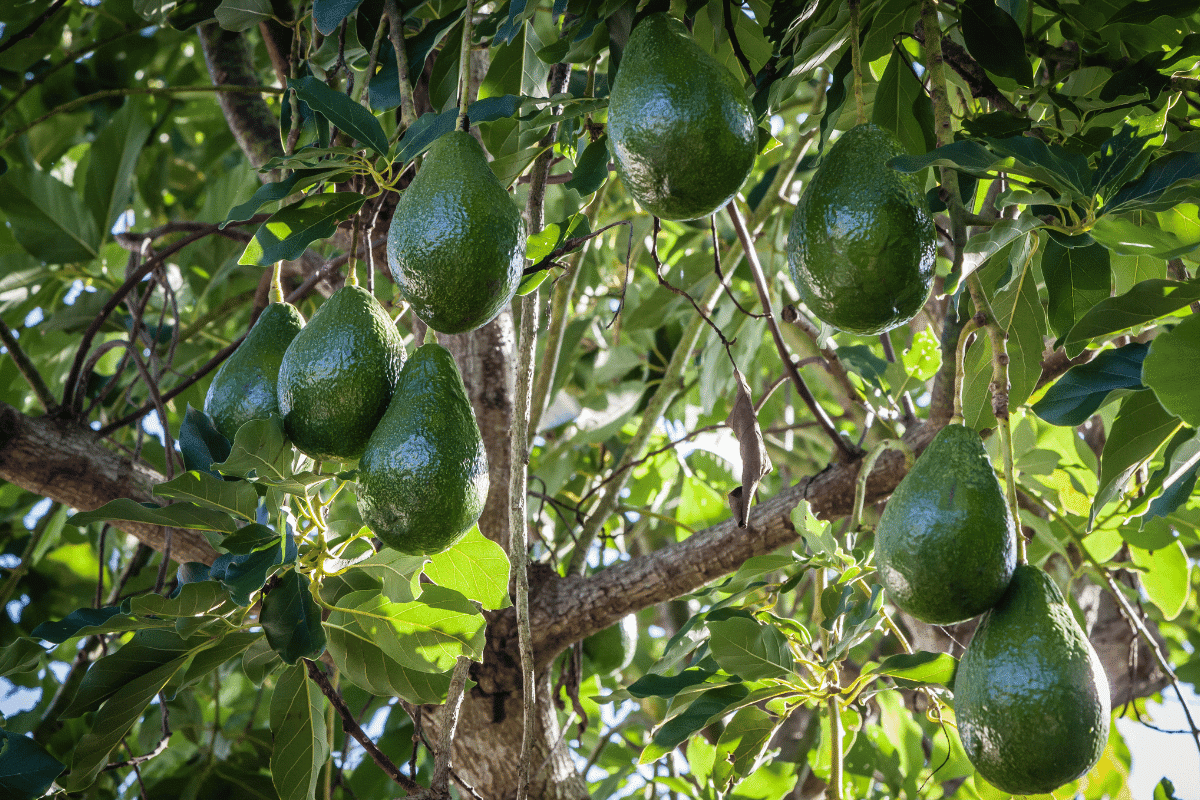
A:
(612, 649)
(680, 128)
(456, 245)
(337, 376)
(861, 247)
(946, 545)
(244, 387)
(423, 479)
(1030, 696)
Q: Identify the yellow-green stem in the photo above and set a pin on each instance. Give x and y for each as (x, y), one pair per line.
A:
(960, 355)
(277, 282)
(464, 69)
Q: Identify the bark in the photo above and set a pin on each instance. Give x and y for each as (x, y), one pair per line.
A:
(230, 63)
(71, 465)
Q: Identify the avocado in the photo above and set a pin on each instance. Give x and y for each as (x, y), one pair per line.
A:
(337, 376)
(680, 127)
(244, 387)
(861, 247)
(612, 649)
(423, 478)
(946, 544)
(456, 244)
(1030, 696)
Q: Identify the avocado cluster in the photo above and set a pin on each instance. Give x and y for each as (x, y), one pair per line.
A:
(1030, 696)
(346, 391)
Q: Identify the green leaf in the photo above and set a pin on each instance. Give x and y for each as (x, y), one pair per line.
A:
(591, 170)
(367, 665)
(397, 575)
(1077, 278)
(1138, 233)
(508, 168)
(200, 443)
(272, 192)
(1168, 181)
(73, 624)
(291, 619)
(259, 660)
(232, 497)
(291, 229)
(26, 769)
(230, 646)
(476, 567)
(1142, 426)
(706, 708)
(240, 15)
(427, 634)
(1083, 389)
(108, 187)
(1124, 156)
(243, 575)
(995, 40)
(250, 539)
(21, 654)
(301, 741)
(145, 652)
(1164, 576)
(1176, 479)
(902, 107)
(1170, 369)
(191, 600)
(741, 745)
(749, 649)
(179, 515)
(328, 14)
(921, 668)
(994, 239)
(48, 218)
(259, 446)
(340, 110)
(1145, 302)
(653, 685)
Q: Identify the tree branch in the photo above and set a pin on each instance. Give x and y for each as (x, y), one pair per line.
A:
(230, 62)
(27, 369)
(70, 465)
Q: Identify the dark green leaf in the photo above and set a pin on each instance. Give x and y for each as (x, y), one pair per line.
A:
(749, 649)
(179, 515)
(1124, 156)
(291, 619)
(385, 85)
(1142, 426)
(192, 599)
(700, 712)
(231, 645)
(328, 14)
(301, 741)
(1142, 11)
(190, 13)
(741, 745)
(1145, 302)
(74, 624)
(1077, 278)
(902, 107)
(200, 443)
(259, 447)
(1171, 368)
(249, 539)
(108, 187)
(921, 668)
(653, 685)
(1177, 479)
(232, 497)
(592, 169)
(1168, 181)
(994, 38)
(26, 769)
(21, 654)
(48, 218)
(243, 575)
(271, 192)
(240, 15)
(291, 229)
(141, 655)
(1141, 78)
(1165, 790)
(835, 96)
(343, 112)
(1083, 389)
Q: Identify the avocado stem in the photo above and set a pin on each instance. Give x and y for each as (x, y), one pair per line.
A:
(864, 474)
(276, 291)
(464, 70)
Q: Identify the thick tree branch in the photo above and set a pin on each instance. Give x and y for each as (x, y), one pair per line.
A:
(229, 62)
(71, 465)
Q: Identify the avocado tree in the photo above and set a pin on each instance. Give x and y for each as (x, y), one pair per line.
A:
(673, 438)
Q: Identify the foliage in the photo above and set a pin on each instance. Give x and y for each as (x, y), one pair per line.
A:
(1063, 164)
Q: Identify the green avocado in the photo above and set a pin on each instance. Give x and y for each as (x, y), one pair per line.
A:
(244, 387)
(612, 649)
(337, 376)
(861, 247)
(680, 127)
(946, 544)
(423, 478)
(456, 245)
(1031, 699)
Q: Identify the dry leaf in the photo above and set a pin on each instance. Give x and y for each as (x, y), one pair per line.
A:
(755, 461)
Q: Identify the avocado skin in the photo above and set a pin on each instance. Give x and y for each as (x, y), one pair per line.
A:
(337, 376)
(612, 649)
(861, 247)
(1030, 696)
(946, 544)
(680, 127)
(244, 388)
(423, 478)
(456, 244)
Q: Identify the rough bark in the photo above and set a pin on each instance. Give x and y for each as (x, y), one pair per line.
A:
(71, 465)
(230, 64)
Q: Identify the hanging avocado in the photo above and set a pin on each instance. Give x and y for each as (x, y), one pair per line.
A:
(861, 247)
(423, 478)
(337, 376)
(244, 388)
(946, 544)
(456, 245)
(680, 127)
(1030, 697)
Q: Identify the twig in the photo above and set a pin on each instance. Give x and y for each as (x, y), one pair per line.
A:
(712, 224)
(408, 108)
(737, 48)
(849, 453)
(27, 369)
(464, 85)
(663, 282)
(31, 28)
(439, 786)
(351, 726)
